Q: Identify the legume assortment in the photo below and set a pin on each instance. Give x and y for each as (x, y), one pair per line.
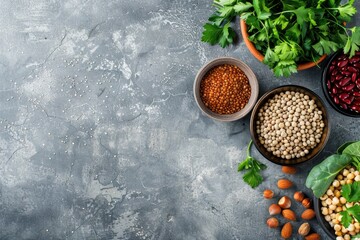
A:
(333, 203)
(290, 124)
(225, 89)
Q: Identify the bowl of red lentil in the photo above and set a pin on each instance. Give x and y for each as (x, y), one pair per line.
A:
(226, 89)
(289, 125)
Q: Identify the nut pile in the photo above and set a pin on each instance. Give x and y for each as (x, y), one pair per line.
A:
(333, 203)
(290, 124)
(343, 82)
(225, 89)
(283, 207)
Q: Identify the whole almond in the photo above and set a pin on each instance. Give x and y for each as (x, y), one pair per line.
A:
(285, 202)
(306, 202)
(289, 214)
(272, 222)
(304, 229)
(286, 230)
(274, 209)
(268, 194)
(299, 196)
(284, 184)
(313, 236)
(308, 214)
(288, 169)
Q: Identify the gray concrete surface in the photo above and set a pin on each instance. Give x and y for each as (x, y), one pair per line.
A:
(100, 136)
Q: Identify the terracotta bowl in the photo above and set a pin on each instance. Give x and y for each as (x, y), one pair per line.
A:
(254, 116)
(259, 55)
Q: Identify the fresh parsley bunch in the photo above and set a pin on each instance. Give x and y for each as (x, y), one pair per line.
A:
(287, 32)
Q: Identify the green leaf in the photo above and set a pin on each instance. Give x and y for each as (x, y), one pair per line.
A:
(342, 147)
(214, 34)
(351, 192)
(322, 175)
(352, 149)
(353, 42)
(225, 2)
(216, 19)
(353, 211)
(346, 218)
(242, 7)
(281, 21)
(302, 14)
(270, 58)
(261, 10)
(253, 178)
(346, 12)
(325, 46)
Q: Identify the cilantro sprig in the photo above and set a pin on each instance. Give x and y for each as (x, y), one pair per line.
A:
(253, 168)
(287, 32)
(351, 192)
(347, 215)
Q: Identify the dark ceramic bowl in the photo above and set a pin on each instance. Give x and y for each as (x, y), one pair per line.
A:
(327, 91)
(312, 153)
(323, 223)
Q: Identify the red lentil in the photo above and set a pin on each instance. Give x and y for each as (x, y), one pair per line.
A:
(225, 89)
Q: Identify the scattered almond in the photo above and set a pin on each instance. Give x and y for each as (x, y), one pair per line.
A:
(272, 222)
(313, 236)
(304, 229)
(284, 184)
(306, 202)
(299, 196)
(288, 169)
(268, 194)
(285, 202)
(286, 230)
(274, 209)
(289, 214)
(308, 214)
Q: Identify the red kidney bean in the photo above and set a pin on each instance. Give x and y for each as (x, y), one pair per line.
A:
(339, 77)
(331, 68)
(347, 101)
(355, 108)
(336, 100)
(356, 102)
(353, 77)
(352, 69)
(342, 63)
(348, 87)
(332, 79)
(334, 90)
(356, 94)
(357, 65)
(344, 81)
(346, 73)
(358, 83)
(328, 84)
(354, 59)
(343, 96)
(344, 106)
(337, 85)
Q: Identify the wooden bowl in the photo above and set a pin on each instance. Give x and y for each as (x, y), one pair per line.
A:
(260, 57)
(313, 152)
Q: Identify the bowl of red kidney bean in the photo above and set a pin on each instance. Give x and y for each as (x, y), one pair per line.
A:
(341, 83)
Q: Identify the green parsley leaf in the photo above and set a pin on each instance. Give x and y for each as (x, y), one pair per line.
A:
(346, 11)
(353, 43)
(253, 167)
(325, 46)
(241, 7)
(214, 34)
(347, 215)
(351, 192)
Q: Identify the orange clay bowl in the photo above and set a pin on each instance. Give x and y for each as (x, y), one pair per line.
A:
(260, 57)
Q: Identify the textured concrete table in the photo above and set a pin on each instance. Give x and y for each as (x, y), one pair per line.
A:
(100, 134)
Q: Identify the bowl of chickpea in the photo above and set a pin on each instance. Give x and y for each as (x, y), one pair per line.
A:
(330, 207)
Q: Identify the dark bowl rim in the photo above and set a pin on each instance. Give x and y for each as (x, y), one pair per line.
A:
(326, 93)
(252, 120)
(321, 220)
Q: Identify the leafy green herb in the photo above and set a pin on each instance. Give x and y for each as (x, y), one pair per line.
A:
(354, 151)
(347, 215)
(351, 192)
(321, 176)
(287, 32)
(253, 167)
